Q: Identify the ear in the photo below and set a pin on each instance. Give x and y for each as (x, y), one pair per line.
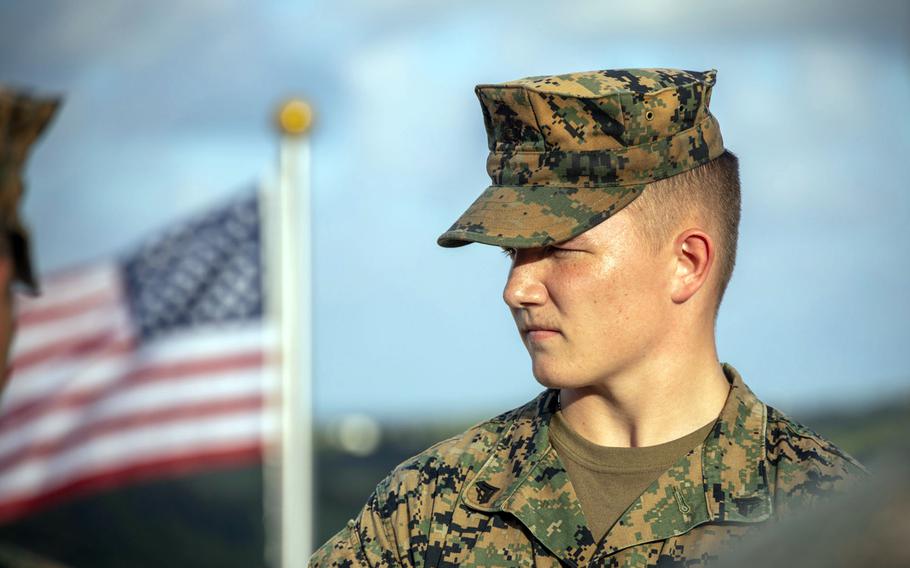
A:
(694, 253)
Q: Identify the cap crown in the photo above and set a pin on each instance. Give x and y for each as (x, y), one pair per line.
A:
(602, 110)
(569, 151)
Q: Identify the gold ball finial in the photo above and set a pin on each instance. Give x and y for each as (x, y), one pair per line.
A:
(295, 117)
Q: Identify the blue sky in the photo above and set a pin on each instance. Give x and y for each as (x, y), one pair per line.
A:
(168, 109)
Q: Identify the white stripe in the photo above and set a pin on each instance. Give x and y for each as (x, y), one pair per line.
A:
(90, 371)
(205, 340)
(121, 403)
(124, 447)
(64, 376)
(72, 287)
(111, 300)
(110, 319)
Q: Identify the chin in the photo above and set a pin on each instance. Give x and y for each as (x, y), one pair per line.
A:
(553, 379)
(556, 376)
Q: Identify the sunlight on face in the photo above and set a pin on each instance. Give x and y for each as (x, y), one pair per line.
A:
(591, 306)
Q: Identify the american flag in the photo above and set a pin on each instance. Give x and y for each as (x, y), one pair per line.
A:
(145, 365)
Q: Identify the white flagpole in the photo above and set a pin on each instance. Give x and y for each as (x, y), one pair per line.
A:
(291, 310)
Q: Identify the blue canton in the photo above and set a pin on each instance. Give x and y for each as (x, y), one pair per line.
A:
(203, 271)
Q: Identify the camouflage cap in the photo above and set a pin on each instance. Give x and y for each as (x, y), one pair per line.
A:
(569, 151)
(22, 119)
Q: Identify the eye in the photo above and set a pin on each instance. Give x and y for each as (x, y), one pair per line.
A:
(559, 251)
(509, 252)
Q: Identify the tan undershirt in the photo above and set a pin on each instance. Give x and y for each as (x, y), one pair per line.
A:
(609, 479)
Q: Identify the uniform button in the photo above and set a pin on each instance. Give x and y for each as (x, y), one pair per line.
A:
(350, 523)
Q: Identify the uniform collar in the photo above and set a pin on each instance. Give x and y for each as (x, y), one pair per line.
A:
(722, 479)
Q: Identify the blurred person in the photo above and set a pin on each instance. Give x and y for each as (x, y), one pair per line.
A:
(865, 527)
(22, 120)
(619, 207)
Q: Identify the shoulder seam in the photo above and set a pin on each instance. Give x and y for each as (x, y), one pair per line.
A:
(802, 431)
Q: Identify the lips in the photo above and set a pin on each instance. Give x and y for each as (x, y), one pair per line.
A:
(529, 328)
(536, 336)
(536, 333)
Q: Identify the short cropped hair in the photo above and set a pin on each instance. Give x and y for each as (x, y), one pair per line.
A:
(711, 192)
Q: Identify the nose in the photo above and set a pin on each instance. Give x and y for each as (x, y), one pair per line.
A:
(524, 286)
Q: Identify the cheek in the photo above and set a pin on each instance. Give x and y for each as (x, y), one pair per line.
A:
(618, 300)
(592, 300)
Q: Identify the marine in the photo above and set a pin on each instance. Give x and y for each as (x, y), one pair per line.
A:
(618, 206)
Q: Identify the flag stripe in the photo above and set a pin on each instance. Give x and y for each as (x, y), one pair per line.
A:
(107, 321)
(150, 468)
(151, 363)
(66, 374)
(56, 422)
(87, 432)
(166, 372)
(92, 302)
(70, 372)
(71, 286)
(114, 448)
(80, 346)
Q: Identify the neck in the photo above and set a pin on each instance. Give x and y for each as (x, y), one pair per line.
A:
(659, 400)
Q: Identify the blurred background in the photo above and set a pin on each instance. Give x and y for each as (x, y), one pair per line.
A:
(168, 116)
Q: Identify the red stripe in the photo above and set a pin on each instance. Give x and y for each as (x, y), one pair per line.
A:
(40, 314)
(87, 432)
(155, 468)
(173, 371)
(82, 278)
(98, 345)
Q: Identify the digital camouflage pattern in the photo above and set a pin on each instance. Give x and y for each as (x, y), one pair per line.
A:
(568, 151)
(498, 496)
(865, 527)
(22, 119)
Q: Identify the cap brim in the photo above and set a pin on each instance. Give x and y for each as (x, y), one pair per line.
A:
(536, 215)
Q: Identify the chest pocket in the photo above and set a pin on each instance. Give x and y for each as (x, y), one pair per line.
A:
(703, 545)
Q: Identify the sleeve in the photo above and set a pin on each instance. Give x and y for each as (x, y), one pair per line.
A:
(366, 541)
(814, 471)
(343, 549)
(395, 525)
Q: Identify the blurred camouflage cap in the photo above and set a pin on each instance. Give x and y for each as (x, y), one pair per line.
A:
(22, 119)
(568, 151)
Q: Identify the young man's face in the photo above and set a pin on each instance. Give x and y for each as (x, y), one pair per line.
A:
(592, 306)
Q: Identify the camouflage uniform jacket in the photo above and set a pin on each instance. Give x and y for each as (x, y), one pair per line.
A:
(498, 495)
